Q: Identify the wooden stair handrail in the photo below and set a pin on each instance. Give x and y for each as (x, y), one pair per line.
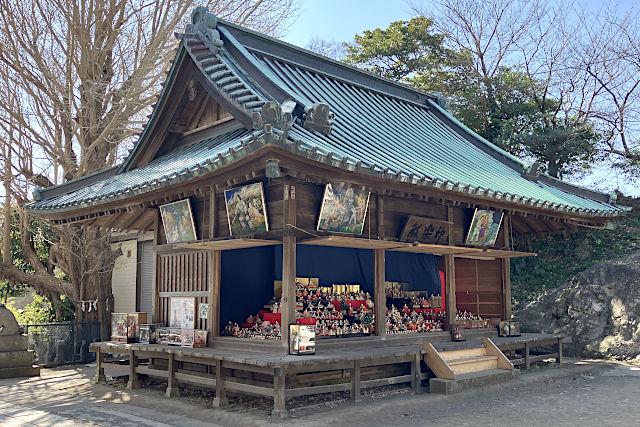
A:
(436, 363)
(492, 349)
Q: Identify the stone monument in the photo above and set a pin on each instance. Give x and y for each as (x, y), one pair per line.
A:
(15, 359)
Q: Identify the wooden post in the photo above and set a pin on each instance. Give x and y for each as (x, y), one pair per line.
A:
(416, 373)
(155, 315)
(172, 386)
(380, 296)
(559, 358)
(450, 276)
(214, 263)
(221, 393)
(355, 381)
(212, 213)
(450, 288)
(288, 303)
(279, 397)
(100, 377)
(380, 216)
(506, 271)
(133, 376)
(527, 362)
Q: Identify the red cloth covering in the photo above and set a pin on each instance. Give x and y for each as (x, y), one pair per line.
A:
(356, 303)
(273, 318)
(247, 325)
(261, 313)
(306, 321)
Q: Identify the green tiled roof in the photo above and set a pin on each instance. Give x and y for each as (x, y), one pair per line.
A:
(171, 168)
(380, 128)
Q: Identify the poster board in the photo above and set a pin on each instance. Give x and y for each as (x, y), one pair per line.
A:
(203, 311)
(177, 220)
(182, 312)
(302, 339)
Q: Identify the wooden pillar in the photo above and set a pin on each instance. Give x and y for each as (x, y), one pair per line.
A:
(279, 396)
(380, 296)
(506, 271)
(214, 262)
(100, 377)
(155, 310)
(355, 381)
(288, 303)
(450, 276)
(527, 361)
(450, 288)
(133, 376)
(172, 385)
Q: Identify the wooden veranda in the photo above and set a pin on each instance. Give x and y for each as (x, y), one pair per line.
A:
(340, 365)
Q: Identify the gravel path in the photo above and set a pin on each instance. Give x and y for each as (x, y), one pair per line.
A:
(585, 393)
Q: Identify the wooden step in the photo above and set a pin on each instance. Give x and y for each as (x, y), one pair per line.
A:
(462, 354)
(473, 364)
(451, 364)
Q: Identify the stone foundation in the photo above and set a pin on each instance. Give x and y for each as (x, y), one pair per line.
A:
(15, 358)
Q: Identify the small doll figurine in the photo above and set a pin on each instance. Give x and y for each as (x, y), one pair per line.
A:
(406, 309)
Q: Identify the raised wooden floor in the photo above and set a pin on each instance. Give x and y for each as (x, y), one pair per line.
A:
(345, 364)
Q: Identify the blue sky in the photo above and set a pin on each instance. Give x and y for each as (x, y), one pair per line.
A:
(340, 20)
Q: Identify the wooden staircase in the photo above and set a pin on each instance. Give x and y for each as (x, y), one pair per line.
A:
(456, 370)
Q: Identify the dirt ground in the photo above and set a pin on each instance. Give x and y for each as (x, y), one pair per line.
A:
(586, 393)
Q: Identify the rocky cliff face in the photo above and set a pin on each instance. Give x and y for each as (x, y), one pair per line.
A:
(598, 308)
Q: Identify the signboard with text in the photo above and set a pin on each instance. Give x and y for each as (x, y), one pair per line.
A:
(426, 230)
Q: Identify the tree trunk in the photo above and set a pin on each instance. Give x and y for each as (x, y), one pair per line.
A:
(89, 263)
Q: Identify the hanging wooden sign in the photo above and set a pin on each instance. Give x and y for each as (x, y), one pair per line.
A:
(426, 230)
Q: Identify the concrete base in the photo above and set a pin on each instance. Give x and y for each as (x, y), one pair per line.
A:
(18, 358)
(472, 380)
(14, 342)
(23, 371)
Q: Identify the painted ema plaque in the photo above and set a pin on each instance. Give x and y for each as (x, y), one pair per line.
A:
(425, 230)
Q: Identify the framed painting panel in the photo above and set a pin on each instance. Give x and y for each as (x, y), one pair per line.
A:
(246, 210)
(177, 220)
(484, 228)
(182, 312)
(343, 209)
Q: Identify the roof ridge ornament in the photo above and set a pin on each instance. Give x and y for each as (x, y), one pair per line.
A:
(532, 171)
(442, 101)
(318, 117)
(274, 115)
(204, 23)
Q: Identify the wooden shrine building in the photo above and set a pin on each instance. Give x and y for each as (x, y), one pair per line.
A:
(240, 108)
